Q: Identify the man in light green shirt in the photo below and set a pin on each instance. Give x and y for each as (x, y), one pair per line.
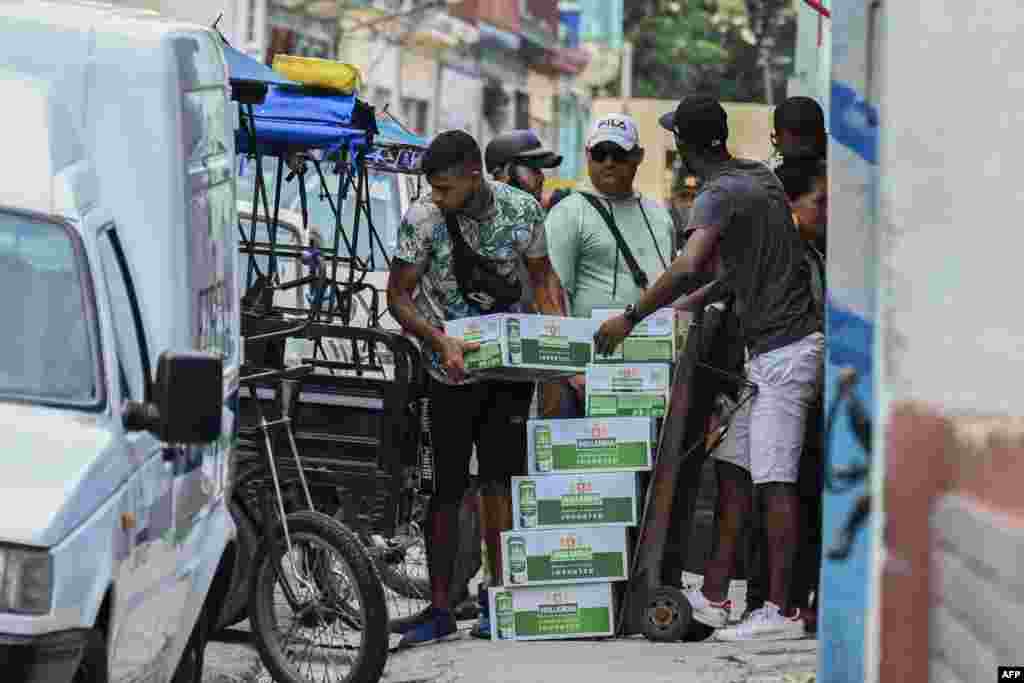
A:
(582, 247)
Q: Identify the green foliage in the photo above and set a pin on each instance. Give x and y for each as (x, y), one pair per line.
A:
(684, 46)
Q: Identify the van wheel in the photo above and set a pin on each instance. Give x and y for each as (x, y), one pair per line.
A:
(190, 667)
(93, 668)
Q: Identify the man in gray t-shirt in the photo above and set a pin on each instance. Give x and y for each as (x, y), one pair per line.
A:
(741, 224)
(761, 256)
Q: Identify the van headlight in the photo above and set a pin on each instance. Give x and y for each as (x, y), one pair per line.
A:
(26, 580)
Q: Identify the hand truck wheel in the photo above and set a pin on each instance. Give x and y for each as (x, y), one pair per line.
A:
(667, 615)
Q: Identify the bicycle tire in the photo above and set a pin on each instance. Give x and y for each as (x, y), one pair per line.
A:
(468, 561)
(410, 587)
(373, 651)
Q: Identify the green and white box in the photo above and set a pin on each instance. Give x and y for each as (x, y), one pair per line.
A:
(557, 556)
(628, 390)
(616, 444)
(582, 610)
(653, 340)
(595, 499)
(534, 342)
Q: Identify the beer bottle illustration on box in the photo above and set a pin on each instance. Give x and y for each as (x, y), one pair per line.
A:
(515, 343)
(506, 616)
(528, 504)
(543, 449)
(517, 559)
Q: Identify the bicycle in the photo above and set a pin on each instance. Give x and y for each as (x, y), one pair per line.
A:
(321, 568)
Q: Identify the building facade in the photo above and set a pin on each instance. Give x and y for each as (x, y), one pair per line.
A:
(483, 66)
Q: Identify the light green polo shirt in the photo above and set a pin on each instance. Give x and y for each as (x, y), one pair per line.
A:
(586, 257)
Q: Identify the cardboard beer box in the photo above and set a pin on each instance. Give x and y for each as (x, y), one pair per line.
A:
(556, 556)
(544, 345)
(578, 500)
(628, 390)
(653, 340)
(617, 444)
(582, 610)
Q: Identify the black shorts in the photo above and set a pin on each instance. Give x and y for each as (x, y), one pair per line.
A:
(490, 414)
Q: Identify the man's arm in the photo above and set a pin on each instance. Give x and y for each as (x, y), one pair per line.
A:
(547, 288)
(697, 255)
(402, 282)
(561, 234)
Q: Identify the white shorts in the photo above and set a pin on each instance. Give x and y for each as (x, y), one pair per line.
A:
(766, 435)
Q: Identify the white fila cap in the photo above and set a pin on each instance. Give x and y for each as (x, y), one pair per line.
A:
(617, 128)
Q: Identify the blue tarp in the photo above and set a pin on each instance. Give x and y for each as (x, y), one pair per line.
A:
(391, 133)
(244, 69)
(291, 119)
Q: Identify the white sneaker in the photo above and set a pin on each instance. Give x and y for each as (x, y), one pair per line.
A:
(767, 623)
(713, 614)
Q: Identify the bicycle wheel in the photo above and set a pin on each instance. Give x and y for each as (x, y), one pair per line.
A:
(403, 564)
(318, 612)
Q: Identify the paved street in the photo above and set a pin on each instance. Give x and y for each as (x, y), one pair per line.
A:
(468, 659)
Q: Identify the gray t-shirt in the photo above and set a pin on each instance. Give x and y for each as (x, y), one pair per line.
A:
(761, 256)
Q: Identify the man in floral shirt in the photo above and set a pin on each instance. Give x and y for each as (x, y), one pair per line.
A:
(504, 226)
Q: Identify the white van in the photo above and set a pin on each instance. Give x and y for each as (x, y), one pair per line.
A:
(120, 361)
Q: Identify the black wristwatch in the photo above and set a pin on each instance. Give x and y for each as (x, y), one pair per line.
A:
(632, 314)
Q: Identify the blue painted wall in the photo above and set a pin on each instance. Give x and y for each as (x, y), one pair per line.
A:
(852, 271)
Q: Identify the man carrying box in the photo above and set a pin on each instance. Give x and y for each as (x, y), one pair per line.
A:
(461, 251)
(598, 268)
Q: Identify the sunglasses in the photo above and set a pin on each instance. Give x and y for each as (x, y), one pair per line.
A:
(617, 154)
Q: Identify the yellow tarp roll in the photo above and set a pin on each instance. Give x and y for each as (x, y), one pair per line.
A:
(320, 73)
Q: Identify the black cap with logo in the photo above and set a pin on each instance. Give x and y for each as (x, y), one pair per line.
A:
(699, 120)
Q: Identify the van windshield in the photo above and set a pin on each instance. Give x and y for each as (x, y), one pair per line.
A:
(48, 350)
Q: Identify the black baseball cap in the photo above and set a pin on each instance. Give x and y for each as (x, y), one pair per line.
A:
(799, 114)
(699, 120)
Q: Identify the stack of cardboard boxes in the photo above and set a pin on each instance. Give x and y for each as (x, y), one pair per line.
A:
(573, 512)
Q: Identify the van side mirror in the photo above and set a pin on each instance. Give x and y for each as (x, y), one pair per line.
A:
(187, 399)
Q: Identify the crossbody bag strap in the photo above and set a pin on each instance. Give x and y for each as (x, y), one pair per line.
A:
(471, 269)
(639, 276)
(460, 252)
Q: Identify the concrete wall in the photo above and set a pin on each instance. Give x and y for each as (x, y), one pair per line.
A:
(952, 601)
(749, 137)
